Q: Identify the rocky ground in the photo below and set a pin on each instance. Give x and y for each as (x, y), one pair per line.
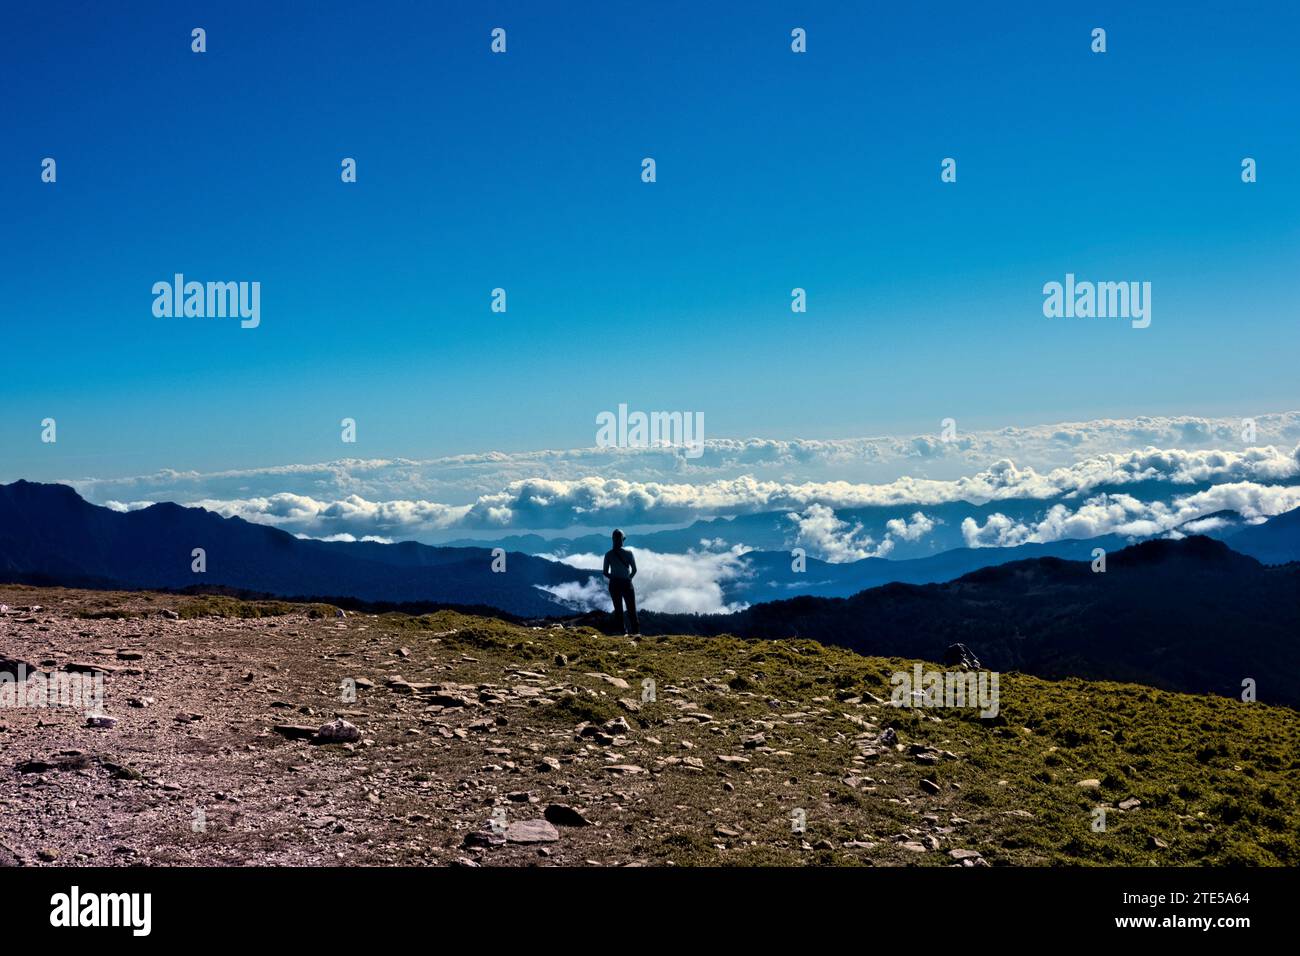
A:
(236, 739)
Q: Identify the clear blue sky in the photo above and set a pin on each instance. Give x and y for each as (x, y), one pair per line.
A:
(775, 170)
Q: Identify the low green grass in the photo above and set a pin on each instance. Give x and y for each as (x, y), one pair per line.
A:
(214, 605)
(1217, 778)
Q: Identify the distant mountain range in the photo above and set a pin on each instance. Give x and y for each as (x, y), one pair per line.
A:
(776, 530)
(770, 576)
(1190, 615)
(50, 535)
(1276, 541)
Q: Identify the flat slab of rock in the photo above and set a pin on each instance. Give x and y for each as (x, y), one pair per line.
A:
(81, 667)
(295, 731)
(448, 700)
(617, 682)
(532, 831)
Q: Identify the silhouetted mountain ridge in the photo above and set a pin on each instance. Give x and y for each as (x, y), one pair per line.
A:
(1189, 614)
(50, 535)
(1275, 541)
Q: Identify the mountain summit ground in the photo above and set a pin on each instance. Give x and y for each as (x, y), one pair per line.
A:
(470, 741)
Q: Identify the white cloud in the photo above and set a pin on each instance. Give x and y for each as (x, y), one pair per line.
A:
(825, 536)
(464, 480)
(913, 529)
(347, 538)
(1205, 525)
(497, 493)
(1124, 515)
(998, 531)
(314, 518)
(831, 539)
(595, 501)
(688, 583)
(123, 506)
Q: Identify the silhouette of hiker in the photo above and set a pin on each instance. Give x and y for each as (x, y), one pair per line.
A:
(620, 569)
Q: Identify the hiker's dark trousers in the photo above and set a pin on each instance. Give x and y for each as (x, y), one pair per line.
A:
(620, 589)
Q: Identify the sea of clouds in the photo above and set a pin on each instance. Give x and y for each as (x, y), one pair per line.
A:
(546, 503)
(1087, 476)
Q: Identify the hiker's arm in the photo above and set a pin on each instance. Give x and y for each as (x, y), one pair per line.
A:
(606, 570)
(631, 560)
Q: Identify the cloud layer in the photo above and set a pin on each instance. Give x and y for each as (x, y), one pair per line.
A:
(1124, 515)
(469, 480)
(1133, 478)
(539, 503)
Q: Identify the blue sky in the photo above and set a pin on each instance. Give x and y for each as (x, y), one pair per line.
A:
(775, 170)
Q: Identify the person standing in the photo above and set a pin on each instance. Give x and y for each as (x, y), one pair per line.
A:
(620, 569)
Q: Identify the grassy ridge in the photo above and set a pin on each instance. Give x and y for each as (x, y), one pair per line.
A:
(1217, 778)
